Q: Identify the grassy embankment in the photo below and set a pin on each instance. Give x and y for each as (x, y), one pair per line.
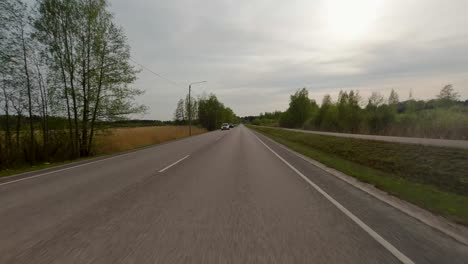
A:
(116, 140)
(431, 177)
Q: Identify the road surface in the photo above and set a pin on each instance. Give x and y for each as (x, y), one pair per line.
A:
(448, 143)
(221, 197)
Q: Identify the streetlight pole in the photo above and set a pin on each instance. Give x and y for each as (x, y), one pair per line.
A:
(190, 105)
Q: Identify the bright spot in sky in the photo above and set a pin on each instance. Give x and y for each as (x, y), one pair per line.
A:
(348, 20)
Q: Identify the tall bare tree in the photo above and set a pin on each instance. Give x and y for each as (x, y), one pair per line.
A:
(179, 114)
(191, 109)
(393, 99)
(92, 55)
(15, 14)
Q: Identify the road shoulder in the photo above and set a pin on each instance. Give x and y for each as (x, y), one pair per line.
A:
(447, 227)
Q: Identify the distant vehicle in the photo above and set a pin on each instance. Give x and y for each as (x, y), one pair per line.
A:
(225, 126)
(231, 125)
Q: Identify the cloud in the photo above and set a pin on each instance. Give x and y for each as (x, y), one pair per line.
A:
(255, 53)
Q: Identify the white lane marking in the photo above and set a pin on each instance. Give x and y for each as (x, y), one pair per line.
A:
(68, 168)
(434, 223)
(370, 231)
(174, 163)
(87, 163)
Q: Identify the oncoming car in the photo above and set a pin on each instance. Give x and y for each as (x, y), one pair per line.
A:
(225, 126)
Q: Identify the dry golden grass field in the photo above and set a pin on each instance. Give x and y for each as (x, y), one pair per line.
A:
(120, 139)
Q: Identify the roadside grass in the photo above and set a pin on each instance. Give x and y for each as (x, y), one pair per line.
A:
(431, 177)
(113, 141)
(9, 172)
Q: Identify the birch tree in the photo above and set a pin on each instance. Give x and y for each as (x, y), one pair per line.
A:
(92, 56)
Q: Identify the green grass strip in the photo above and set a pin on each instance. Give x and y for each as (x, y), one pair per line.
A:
(24, 169)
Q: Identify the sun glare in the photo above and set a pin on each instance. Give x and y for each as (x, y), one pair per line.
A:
(348, 20)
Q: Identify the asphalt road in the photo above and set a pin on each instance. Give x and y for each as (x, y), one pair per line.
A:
(448, 143)
(221, 197)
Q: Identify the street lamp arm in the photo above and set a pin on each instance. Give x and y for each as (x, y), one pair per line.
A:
(197, 82)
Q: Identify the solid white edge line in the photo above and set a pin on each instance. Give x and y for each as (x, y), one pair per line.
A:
(453, 234)
(174, 163)
(400, 256)
(84, 164)
(64, 169)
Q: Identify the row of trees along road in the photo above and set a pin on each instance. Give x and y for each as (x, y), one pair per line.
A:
(443, 117)
(64, 66)
(207, 111)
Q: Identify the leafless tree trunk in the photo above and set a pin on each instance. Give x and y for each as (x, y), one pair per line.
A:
(7, 118)
(32, 148)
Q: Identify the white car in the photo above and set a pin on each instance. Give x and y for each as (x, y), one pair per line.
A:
(225, 126)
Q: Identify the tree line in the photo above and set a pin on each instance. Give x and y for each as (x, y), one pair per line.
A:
(443, 117)
(206, 111)
(60, 60)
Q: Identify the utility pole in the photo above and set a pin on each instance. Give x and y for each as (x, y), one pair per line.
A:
(190, 105)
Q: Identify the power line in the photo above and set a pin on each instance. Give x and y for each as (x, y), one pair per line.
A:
(157, 74)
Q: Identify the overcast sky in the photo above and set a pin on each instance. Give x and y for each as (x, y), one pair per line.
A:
(255, 53)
